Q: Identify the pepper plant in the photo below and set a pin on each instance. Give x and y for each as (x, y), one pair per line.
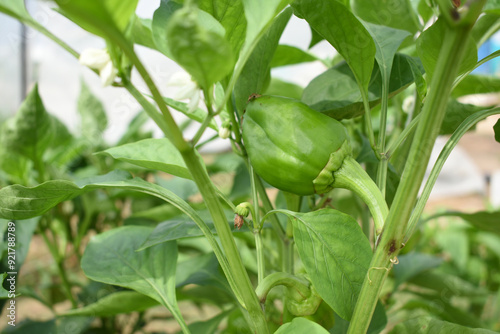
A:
(313, 258)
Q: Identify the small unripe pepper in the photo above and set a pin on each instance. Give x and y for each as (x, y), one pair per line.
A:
(299, 150)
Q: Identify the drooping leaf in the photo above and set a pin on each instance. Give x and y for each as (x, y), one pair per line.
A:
(92, 114)
(336, 94)
(456, 113)
(111, 258)
(301, 325)
(230, 13)
(116, 303)
(444, 310)
(477, 84)
(412, 264)
(429, 325)
(157, 154)
(336, 255)
(290, 55)
(255, 72)
(483, 220)
(387, 41)
(429, 44)
(398, 15)
(444, 284)
(348, 36)
(197, 43)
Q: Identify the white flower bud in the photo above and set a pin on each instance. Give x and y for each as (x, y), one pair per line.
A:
(94, 58)
(224, 133)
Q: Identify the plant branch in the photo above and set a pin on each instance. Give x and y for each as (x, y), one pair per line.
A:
(427, 131)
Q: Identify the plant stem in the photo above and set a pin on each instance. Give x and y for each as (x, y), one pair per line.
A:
(432, 116)
(240, 275)
(382, 166)
(257, 228)
(351, 176)
(60, 267)
(436, 169)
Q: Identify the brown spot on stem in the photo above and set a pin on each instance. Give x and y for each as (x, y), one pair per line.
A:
(392, 247)
(455, 14)
(456, 3)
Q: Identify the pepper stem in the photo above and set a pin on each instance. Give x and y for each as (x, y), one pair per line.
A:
(352, 177)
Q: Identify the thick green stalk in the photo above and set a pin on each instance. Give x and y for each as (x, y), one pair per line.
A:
(351, 176)
(209, 195)
(428, 129)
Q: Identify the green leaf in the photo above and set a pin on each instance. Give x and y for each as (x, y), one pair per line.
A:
(290, 55)
(111, 258)
(156, 154)
(29, 327)
(398, 15)
(92, 114)
(259, 15)
(336, 93)
(347, 35)
(114, 304)
(456, 113)
(4, 294)
(230, 13)
(336, 255)
(201, 270)
(198, 114)
(209, 326)
(429, 44)
(133, 132)
(492, 6)
(412, 264)
(300, 326)
(483, 220)
(477, 84)
(179, 229)
(100, 17)
(444, 284)
(142, 32)
(387, 41)
(283, 88)
(455, 242)
(24, 230)
(252, 79)
(161, 18)
(429, 325)
(197, 43)
(16, 9)
(30, 131)
(496, 128)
